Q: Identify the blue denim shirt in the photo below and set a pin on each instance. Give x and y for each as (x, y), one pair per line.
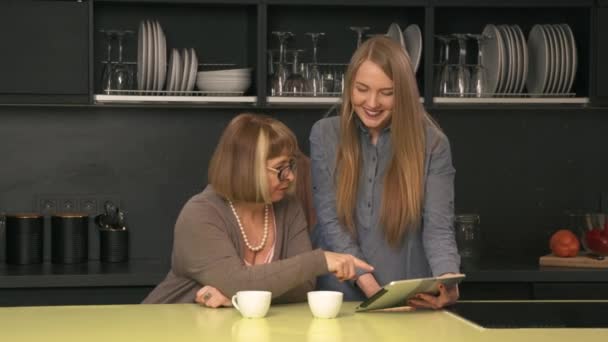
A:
(429, 249)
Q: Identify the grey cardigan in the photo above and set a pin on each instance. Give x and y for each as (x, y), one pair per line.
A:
(208, 250)
(430, 249)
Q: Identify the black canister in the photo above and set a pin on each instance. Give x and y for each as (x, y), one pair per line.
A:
(24, 238)
(69, 238)
(113, 245)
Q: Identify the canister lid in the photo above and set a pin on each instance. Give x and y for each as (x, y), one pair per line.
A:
(24, 215)
(70, 215)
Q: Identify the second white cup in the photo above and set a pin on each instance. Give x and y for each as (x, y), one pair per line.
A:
(252, 304)
(325, 304)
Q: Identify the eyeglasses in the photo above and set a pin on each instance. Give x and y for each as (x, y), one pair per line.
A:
(283, 171)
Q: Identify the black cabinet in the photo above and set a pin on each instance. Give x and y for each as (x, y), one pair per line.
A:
(579, 291)
(600, 96)
(45, 51)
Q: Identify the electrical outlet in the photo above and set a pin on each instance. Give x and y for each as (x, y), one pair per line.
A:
(67, 203)
(46, 204)
(88, 205)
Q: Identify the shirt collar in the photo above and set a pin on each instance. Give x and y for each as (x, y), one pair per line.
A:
(365, 130)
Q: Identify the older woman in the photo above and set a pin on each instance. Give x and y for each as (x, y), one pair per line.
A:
(245, 231)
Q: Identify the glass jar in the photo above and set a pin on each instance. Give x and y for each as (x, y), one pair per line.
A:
(468, 236)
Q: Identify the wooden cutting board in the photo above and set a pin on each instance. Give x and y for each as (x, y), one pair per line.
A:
(577, 261)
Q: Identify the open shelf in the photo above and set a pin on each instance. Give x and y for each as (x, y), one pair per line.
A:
(142, 99)
(507, 100)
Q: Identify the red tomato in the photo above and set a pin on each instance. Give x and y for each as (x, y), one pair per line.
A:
(564, 243)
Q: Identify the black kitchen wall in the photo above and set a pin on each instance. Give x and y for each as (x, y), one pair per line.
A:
(149, 161)
(520, 169)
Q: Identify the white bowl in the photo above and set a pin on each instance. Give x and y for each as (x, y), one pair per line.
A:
(227, 86)
(228, 72)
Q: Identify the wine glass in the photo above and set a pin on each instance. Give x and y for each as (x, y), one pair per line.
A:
(442, 74)
(122, 76)
(281, 72)
(460, 76)
(296, 84)
(106, 73)
(315, 78)
(359, 30)
(478, 76)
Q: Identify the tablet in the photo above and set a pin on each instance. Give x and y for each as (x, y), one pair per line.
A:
(396, 293)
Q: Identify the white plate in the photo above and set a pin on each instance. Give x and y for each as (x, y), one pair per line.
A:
(149, 56)
(502, 82)
(573, 55)
(552, 60)
(538, 52)
(141, 48)
(156, 68)
(491, 50)
(516, 59)
(567, 60)
(185, 70)
(162, 62)
(561, 42)
(394, 32)
(561, 60)
(193, 70)
(178, 72)
(519, 43)
(556, 59)
(174, 69)
(513, 60)
(508, 54)
(524, 49)
(413, 44)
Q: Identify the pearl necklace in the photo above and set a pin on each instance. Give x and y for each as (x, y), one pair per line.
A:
(264, 237)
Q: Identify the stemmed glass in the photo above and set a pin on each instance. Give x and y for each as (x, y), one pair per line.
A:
(122, 77)
(296, 84)
(359, 30)
(459, 73)
(315, 79)
(106, 73)
(328, 81)
(281, 72)
(443, 71)
(478, 76)
(271, 68)
(338, 81)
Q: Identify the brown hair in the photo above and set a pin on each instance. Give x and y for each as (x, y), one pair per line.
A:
(237, 169)
(403, 191)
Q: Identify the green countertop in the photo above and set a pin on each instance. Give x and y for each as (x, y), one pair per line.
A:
(190, 322)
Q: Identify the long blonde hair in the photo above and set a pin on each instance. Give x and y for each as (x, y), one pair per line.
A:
(403, 191)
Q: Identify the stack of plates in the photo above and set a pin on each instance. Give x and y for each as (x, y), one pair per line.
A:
(182, 71)
(232, 81)
(505, 57)
(553, 59)
(410, 39)
(151, 56)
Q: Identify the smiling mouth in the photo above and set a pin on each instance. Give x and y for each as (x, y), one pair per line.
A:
(372, 113)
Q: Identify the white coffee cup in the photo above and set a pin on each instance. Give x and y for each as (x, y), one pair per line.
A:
(252, 304)
(325, 304)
